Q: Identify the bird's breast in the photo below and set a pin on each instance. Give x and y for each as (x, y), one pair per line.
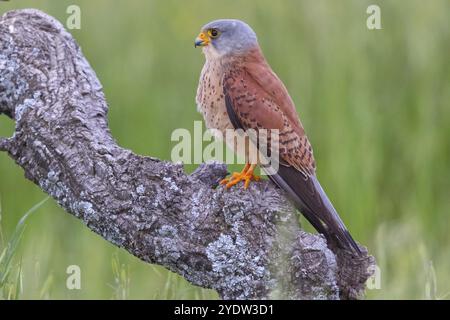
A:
(210, 98)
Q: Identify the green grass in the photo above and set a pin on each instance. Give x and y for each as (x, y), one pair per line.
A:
(10, 273)
(375, 104)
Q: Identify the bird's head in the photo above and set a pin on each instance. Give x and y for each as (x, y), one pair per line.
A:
(227, 36)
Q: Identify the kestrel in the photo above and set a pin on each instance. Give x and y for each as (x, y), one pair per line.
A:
(239, 90)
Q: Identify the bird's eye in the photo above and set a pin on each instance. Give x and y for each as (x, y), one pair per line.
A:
(213, 33)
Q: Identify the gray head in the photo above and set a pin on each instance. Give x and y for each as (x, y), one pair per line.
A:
(226, 36)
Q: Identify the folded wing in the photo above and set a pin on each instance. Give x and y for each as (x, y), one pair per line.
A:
(256, 99)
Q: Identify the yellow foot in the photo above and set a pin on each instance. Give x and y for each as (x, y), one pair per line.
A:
(245, 175)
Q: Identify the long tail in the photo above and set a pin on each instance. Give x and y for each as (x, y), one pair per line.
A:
(308, 196)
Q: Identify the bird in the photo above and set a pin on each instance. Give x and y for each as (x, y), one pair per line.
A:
(239, 90)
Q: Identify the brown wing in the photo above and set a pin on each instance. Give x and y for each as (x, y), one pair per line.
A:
(256, 99)
(261, 101)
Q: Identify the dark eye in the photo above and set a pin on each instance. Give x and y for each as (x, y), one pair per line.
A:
(213, 33)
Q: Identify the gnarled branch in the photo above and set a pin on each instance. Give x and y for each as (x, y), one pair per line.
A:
(242, 244)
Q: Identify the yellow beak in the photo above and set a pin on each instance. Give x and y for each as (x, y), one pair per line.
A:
(202, 40)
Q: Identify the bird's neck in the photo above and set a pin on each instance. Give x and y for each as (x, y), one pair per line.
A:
(253, 55)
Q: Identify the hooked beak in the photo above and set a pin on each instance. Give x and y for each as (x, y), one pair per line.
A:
(202, 40)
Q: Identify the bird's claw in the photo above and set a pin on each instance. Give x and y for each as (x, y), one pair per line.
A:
(246, 175)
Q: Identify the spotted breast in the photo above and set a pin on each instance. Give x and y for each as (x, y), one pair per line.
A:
(210, 97)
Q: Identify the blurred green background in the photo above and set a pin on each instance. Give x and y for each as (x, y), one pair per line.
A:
(375, 104)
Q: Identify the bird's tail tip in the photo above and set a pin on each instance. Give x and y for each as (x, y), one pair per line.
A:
(350, 244)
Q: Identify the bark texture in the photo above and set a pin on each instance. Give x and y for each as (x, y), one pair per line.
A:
(245, 245)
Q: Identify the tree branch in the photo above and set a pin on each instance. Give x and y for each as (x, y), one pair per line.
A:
(242, 244)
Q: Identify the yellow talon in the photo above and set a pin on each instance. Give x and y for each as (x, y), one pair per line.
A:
(245, 175)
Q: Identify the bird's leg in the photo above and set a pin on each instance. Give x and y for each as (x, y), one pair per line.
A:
(249, 176)
(245, 175)
(235, 175)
